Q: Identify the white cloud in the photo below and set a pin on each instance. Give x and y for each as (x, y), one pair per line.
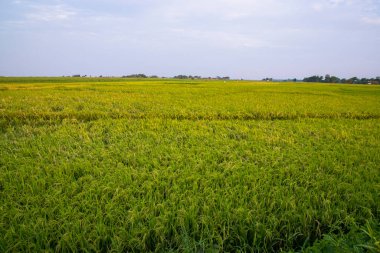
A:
(327, 4)
(371, 20)
(50, 13)
(337, 2)
(317, 6)
(221, 9)
(18, 2)
(223, 39)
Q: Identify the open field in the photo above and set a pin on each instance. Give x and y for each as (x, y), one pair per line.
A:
(188, 165)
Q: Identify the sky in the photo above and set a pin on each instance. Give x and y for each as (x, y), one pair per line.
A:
(250, 39)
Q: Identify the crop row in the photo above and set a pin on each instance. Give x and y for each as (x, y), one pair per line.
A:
(142, 185)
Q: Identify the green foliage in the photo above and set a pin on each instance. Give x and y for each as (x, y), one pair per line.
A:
(334, 79)
(189, 166)
(364, 239)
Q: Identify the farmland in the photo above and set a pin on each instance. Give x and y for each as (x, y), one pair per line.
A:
(135, 165)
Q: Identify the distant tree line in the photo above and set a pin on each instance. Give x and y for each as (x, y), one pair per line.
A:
(199, 77)
(136, 76)
(155, 76)
(334, 79)
(176, 77)
(186, 77)
(311, 79)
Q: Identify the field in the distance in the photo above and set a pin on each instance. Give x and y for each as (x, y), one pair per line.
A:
(188, 165)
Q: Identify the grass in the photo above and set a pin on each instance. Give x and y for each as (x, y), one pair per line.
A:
(190, 166)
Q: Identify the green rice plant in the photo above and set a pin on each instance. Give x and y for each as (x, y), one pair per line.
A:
(179, 166)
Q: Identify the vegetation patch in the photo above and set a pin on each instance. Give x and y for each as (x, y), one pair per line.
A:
(166, 165)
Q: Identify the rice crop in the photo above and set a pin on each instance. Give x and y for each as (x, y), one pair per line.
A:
(164, 165)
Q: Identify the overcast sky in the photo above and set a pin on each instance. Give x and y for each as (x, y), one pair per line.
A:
(249, 39)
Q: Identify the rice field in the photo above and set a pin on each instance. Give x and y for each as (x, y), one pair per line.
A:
(165, 165)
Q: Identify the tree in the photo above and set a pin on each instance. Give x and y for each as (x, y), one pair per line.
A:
(334, 79)
(327, 79)
(181, 77)
(353, 80)
(313, 79)
(135, 76)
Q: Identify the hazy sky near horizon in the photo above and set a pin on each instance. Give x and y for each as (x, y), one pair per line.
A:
(238, 38)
